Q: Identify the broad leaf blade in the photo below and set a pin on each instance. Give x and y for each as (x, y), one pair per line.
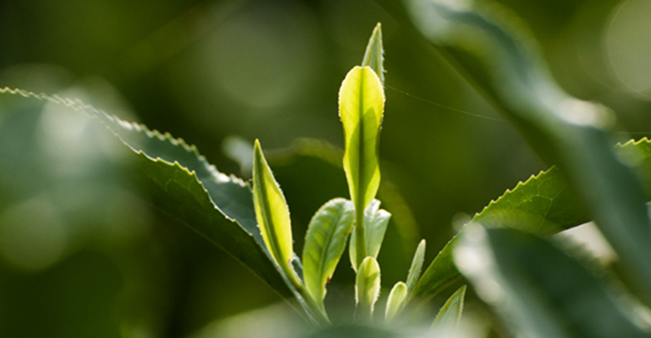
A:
(448, 318)
(540, 289)
(367, 288)
(376, 221)
(396, 301)
(272, 212)
(416, 267)
(187, 187)
(325, 243)
(374, 55)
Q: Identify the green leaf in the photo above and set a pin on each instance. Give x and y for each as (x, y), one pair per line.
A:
(185, 186)
(544, 204)
(448, 318)
(325, 243)
(375, 222)
(374, 55)
(361, 107)
(272, 213)
(367, 288)
(416, 267)
(498, 56)
(396, 301)
(313, 154)
(538, 288)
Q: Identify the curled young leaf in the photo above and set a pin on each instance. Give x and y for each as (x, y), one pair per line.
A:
(272, 213)
(374, 55)
(375, 224)
(449, 316)
(416, 267)
(367, 288)
(396, 301)
(325, 243)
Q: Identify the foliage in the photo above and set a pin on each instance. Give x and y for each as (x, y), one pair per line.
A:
(506, 252)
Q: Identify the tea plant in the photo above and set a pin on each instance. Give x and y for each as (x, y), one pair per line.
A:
(538, 286)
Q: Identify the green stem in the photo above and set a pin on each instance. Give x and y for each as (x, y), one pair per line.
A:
(360, 235)
(316, 311)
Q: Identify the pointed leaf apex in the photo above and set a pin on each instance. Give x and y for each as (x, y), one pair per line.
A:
(374, 55)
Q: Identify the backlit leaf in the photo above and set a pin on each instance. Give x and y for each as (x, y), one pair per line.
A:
(367, 288)
(396, 301)
(325, 243)
(448, 318)
(272, 212)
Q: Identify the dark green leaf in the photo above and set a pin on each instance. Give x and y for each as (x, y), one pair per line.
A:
(538, 288)
(187, 187)
(500, 58)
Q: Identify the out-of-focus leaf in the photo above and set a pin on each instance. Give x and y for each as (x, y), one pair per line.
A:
(374, 55)
(448, 318)
(367, 288)
(272, 213)
(544, 204)
(500, 58)
(361, 108)
(396, 301)
(538, 288)
(375, 223)
(187, 187)
(325, 242)
(416, 267)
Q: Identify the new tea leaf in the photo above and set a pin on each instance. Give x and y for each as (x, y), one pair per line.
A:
(361, 107)
(374, 55)
(449, 316)
(396, 301)
(272, 212)
(416, 267)
(367, 288)
(325, 243)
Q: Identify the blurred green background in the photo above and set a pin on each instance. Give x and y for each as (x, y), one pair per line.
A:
(84, 254)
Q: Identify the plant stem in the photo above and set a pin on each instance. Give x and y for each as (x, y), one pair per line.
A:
(360, 235)
(317, 312)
